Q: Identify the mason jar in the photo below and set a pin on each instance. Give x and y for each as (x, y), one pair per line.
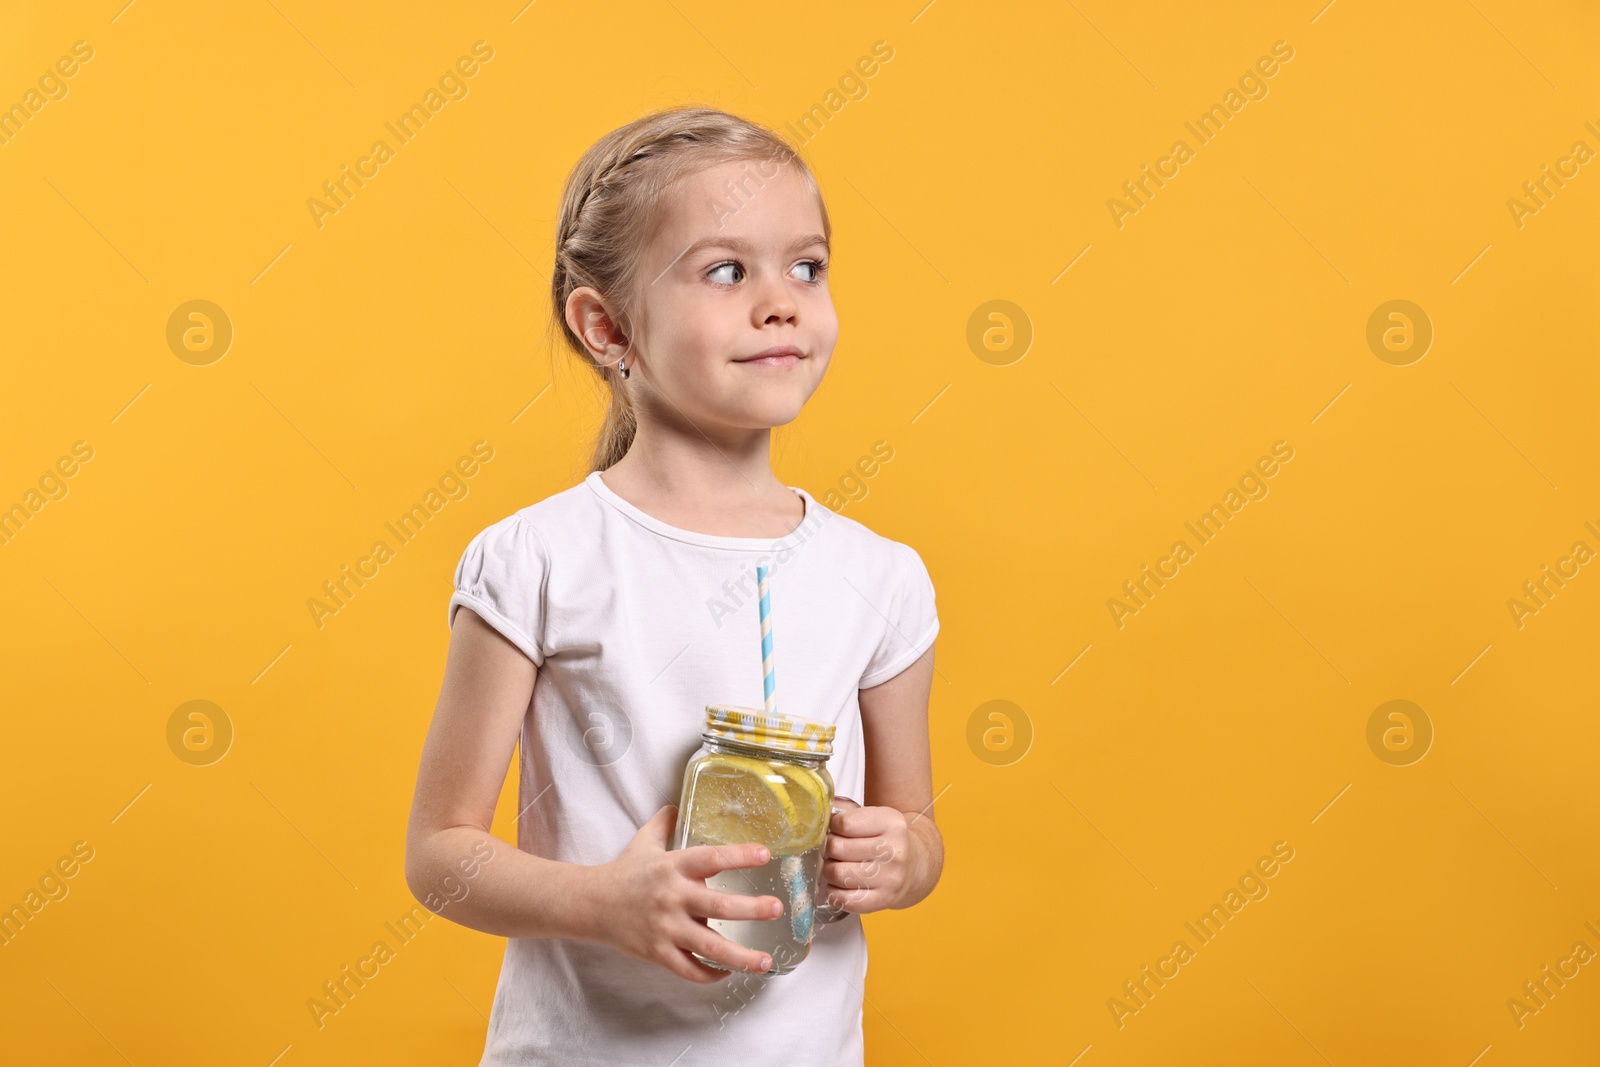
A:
(761, 778)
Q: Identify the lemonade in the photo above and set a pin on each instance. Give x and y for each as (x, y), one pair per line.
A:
(744, 786)
(749, 798)
(793, 880)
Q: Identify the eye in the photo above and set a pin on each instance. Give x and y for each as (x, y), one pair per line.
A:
(818, 269)
(730, 264)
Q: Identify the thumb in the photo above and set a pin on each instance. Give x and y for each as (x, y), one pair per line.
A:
(841, 807)
(657, 832)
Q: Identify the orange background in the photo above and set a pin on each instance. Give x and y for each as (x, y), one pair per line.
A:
(1118, 799)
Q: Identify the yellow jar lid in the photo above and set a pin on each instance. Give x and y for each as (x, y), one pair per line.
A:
(753, 726)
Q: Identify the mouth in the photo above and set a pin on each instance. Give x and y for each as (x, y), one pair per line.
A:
(777, 356)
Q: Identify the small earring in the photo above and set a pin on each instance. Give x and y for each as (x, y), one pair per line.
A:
(622, 365)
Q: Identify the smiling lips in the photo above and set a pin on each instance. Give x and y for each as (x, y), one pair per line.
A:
(777, 356)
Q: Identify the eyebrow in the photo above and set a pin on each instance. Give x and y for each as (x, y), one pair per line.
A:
(739, 244)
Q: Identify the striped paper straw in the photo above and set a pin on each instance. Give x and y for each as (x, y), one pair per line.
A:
(768, 682)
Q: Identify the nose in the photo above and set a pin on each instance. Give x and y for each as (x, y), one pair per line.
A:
(773, 302)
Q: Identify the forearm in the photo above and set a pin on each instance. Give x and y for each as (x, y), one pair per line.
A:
(924, 864)
(475, 879)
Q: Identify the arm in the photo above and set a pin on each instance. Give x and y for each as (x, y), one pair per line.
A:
(647, 903)
(889, 854)
(488, 685)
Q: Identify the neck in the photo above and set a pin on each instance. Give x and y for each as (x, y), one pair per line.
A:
(730, 466)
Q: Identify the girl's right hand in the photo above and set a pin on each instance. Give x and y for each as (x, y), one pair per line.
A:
(651, 900)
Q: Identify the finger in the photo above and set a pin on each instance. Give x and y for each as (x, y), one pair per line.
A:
(711, 904)
(682, 964)
(702, 861)
(844, 803)
(713, 946)
(851, 875)
(657, 830)
(861, 822)
(855, 901)
(841, 847)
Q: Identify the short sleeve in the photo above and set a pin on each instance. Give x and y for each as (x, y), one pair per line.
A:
(913, 620)
(502, 577)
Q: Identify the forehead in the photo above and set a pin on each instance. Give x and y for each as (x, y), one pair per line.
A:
(743, 200)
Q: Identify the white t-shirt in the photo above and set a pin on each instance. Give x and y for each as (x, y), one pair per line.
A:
(636, 626)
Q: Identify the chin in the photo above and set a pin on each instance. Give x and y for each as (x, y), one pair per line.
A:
(775, 414)
(774, 417)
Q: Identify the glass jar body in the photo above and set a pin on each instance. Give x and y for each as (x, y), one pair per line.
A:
(735, 793)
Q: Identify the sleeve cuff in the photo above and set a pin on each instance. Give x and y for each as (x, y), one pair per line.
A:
(902, 661)
(501, 623)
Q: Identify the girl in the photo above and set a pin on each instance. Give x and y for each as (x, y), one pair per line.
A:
(595, 626)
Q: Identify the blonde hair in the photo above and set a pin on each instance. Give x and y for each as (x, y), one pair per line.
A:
(609, 215)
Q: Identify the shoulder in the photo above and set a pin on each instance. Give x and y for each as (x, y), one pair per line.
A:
(530, 532)
(891, 577)
(571, 504)
(861, 544)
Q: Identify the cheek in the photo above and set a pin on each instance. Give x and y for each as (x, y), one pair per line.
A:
(690, 362)
(679, 339)
(826, 318)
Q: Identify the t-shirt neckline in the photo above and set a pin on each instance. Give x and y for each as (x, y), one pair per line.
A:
(693, 537)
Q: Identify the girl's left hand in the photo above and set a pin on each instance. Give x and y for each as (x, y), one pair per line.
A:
(865, 865)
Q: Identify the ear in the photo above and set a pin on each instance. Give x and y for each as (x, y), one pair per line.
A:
(593, 321)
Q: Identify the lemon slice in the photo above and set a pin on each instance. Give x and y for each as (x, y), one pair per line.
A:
(739, 799)
(812, 810)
